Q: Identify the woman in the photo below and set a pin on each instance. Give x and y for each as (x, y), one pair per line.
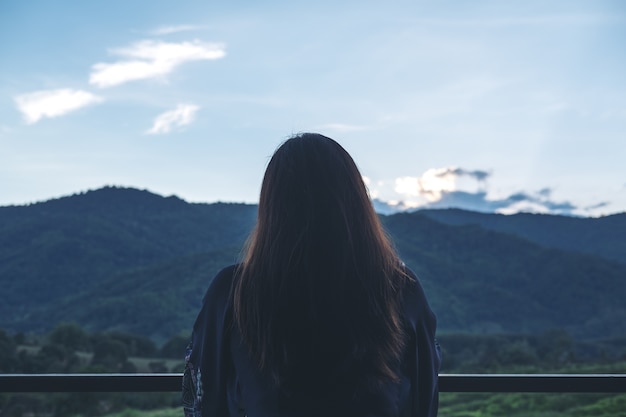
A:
(321, 318)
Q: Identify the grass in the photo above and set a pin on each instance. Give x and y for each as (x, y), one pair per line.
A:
(163, 412)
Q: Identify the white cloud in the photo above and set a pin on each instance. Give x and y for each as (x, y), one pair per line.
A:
(392, 206)
(53, 103)
(408, 186)
(166, 30)
(182, 115)
(151, 59)
(368, 183)
(436, 181)
(444, 188)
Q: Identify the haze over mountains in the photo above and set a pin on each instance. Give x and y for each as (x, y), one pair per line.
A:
(127, 259)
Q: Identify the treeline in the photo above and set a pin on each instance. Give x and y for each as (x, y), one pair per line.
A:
(68, 348)
(553, 351)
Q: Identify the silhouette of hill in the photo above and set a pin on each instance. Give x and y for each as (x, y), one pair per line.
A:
(127, 259)
(485, 281)
(602, 236)
(68, 245)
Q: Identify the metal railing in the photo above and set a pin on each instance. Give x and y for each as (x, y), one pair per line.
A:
(538, 383)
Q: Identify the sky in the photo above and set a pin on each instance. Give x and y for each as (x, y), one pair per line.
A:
(493, 106)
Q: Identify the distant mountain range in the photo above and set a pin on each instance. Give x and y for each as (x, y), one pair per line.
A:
(601, 236)
(127, 259)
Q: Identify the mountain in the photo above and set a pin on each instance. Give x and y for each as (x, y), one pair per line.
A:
(602, 236)
(159, 301)
(127, 259)
(479, 280)
(69, 245)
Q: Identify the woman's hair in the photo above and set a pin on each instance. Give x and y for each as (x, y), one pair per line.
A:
(318, 293)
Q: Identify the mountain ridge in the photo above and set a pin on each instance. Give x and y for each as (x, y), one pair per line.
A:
(602, 236)
(107, 254)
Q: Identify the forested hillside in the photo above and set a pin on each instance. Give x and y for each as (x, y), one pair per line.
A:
(69, 246)
(602, 236)
(125, 259)
(484, 281)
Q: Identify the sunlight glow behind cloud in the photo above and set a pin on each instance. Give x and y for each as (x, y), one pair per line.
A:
(53, 103)
(435, 181)
(182, 115)
(151, 59)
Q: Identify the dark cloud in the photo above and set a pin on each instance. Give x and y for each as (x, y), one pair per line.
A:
(545, 192)
(383, 207)
(517, 197)
(541, 198)
(564, 207)
(462, 172)
(597, 206)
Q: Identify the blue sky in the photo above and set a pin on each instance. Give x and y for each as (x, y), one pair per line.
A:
(488, 105)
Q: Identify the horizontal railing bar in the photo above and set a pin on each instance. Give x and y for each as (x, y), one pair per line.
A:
(165, 382)
(168, 382)
(580, 383)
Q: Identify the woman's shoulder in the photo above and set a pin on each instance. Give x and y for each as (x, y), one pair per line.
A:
(220, 285)
(225, 275)
(215, 301)
(416, 303)
(413, 285)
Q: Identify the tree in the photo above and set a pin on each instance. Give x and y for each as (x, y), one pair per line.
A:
(8, 353)
(69, 335)
(108, 352)
(175, 347)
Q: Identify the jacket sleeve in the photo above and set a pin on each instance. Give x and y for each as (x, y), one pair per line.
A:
(427, 353)
(208, 364)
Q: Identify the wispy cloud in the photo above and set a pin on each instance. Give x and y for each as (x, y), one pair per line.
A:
(151, 59)
(460, 172)
(596, 206)
(167, 30)
(53, 103)
(182, 115)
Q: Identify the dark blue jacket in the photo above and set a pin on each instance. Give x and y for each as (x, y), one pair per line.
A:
(222, 381)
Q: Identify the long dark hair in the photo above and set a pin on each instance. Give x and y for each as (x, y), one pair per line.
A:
(319, 288)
